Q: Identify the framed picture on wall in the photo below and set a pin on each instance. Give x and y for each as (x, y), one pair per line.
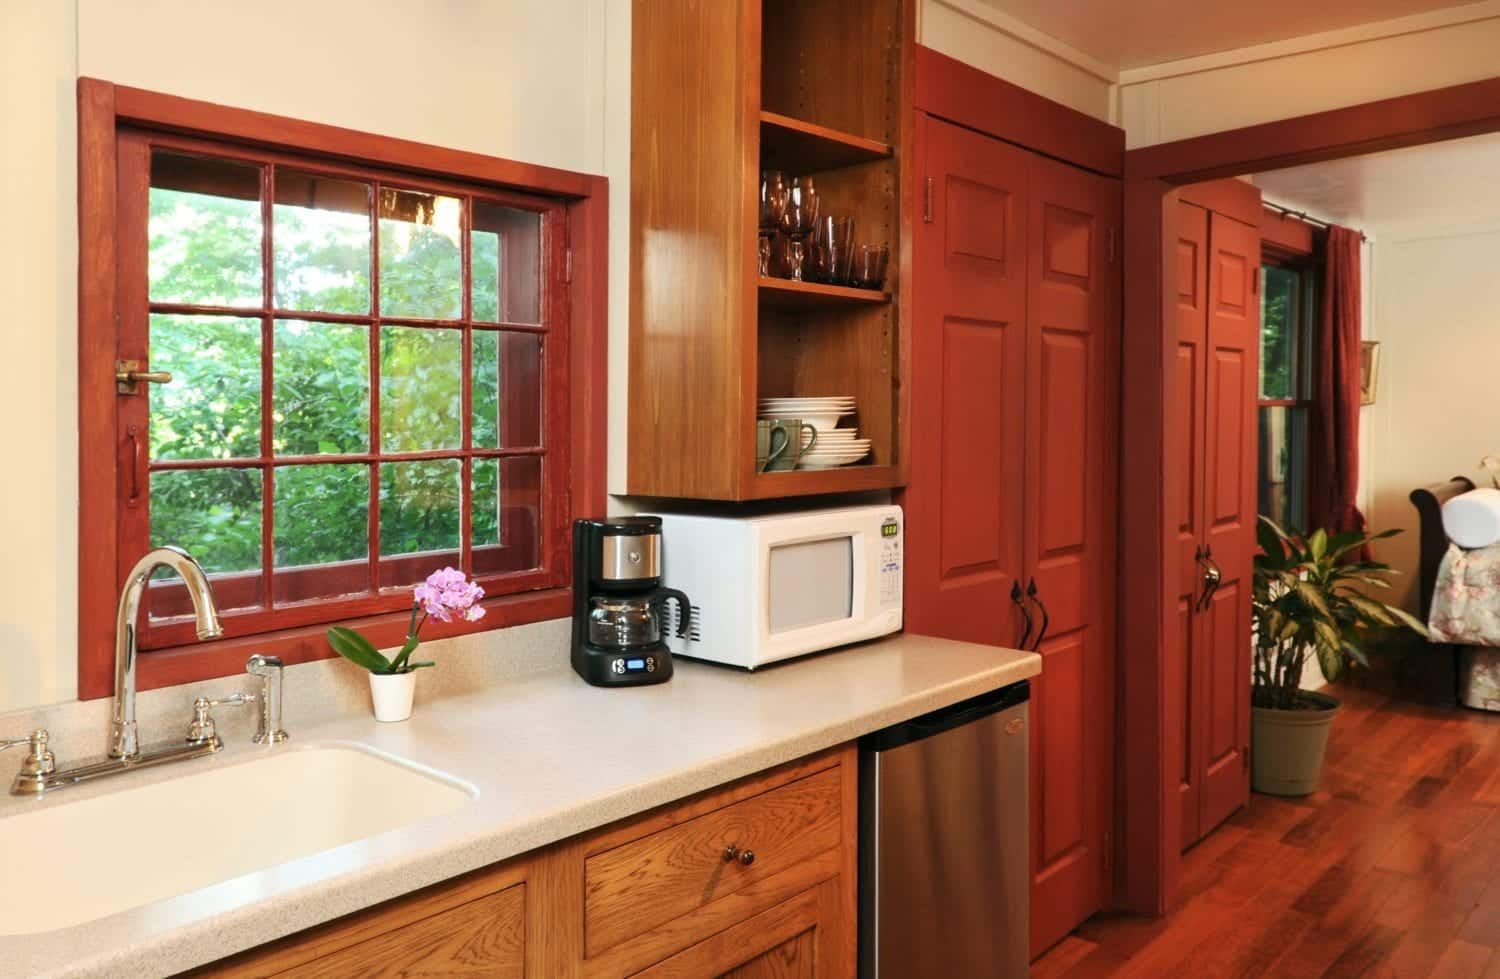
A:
(1369, 370)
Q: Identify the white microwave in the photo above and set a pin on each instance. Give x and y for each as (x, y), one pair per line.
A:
(767, 588)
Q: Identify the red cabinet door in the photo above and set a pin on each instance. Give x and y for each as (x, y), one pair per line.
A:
(963, 502)
(1072, 446)
(1190, 452)
(1232, 379)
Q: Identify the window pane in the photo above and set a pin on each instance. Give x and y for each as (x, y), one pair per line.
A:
(1280, 332)
(419, 515)
(205, 231)
(321, 242)
(421, 267)
(1283, 465)
(321, 395)
(211, 409)
(507, 393)
(506, 250)
(421, 386)
(506, 516)
(322, 519)
(215, 515)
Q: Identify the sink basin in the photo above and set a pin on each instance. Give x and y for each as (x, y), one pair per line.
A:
(79, 861)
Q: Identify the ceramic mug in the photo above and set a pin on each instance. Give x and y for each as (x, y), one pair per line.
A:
(778, 443)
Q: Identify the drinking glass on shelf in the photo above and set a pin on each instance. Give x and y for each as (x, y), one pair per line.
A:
(832, 243)
(869, 266)
(797, 222)
(773, 195)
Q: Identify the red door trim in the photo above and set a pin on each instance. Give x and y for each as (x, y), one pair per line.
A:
(1150, 864)
(1406, 120)
(959, 93)
(1235, 198)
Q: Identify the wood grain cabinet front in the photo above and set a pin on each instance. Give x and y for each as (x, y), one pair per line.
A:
(754, 879)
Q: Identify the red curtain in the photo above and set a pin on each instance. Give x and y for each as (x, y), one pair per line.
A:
(1336, 367)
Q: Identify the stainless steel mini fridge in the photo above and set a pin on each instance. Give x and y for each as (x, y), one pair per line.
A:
(943, 843)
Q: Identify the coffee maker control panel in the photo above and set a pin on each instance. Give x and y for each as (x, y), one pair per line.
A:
(623, 665)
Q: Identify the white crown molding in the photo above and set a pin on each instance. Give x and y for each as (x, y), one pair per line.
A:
(1361, 33)
(1031, 37)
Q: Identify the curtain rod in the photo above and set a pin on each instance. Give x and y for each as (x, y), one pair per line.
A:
(1302, 216)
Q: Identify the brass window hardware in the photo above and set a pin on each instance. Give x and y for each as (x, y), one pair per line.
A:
(128, 375)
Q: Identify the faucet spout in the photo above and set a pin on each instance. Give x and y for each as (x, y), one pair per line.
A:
(123, 742)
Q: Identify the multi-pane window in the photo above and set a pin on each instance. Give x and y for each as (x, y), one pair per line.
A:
(1285, 392)
(359, 390)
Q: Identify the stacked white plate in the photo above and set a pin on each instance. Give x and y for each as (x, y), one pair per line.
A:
(820, 413)
(834, 446)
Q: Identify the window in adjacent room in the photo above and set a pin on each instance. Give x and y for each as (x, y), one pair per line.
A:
(1287, 305)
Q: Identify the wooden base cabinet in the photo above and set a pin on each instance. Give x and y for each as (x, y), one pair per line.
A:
(1010, 509)
(756, 879)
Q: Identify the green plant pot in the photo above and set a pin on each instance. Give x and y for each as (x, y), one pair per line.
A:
(1287, 746)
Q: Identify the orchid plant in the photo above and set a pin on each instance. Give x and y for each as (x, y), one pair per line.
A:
(447, 595)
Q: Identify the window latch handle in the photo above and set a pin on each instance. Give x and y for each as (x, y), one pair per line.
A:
(128, 375)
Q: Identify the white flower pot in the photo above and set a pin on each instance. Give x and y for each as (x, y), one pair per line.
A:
(392, 695)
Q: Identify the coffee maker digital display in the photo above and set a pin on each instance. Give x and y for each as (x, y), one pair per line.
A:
(619, 604)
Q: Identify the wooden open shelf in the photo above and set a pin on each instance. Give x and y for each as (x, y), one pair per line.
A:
(789, 294)
(804, 147)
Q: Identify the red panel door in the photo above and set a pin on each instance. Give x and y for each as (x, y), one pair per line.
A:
(1232, 377)
(1190, 451)
(1072, 396)
(963, 503)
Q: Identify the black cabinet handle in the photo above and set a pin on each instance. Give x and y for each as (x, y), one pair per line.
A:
(1019, 600)
(1041, 635)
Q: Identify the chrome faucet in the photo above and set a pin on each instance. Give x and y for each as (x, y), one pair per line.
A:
(123, 742)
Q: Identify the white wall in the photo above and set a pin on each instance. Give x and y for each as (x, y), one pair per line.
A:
(1310, 74)
(535, 80)
(981, 36)
(1438, 304)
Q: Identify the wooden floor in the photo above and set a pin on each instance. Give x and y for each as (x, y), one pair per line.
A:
(1392, 869)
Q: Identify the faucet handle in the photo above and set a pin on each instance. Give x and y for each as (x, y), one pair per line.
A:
(36, 766)
(202, 730)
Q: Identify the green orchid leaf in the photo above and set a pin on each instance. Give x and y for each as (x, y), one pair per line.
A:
(357, 649)
(398, 664)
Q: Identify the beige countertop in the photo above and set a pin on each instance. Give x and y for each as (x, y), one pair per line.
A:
(548, 757)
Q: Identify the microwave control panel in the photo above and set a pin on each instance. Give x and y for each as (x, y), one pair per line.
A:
(890, 563)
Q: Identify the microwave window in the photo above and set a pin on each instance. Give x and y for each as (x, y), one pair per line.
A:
(811, 583)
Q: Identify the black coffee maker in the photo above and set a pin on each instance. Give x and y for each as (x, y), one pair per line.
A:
(619, 606)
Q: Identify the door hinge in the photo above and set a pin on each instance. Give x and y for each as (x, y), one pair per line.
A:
(567, 265)
(1109, 244)
(1255, 282)
(927, 202)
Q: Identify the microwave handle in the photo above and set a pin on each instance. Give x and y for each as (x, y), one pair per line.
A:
(684, 608)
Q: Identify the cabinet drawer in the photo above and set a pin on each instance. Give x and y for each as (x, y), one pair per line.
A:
(640, 885)
(485, 938)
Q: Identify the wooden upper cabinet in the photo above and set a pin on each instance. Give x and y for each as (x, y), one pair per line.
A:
(818, 88)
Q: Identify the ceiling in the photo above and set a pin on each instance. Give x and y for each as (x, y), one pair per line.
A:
(1136, 33)
(1441, 184)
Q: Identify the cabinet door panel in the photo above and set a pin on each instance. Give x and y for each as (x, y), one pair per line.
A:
(1233, 361)
(963, 503)
(1188, 445)
(1072, 341)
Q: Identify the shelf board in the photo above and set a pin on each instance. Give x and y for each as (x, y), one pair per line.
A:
(801, 147)
(810, 482)
(789, 294)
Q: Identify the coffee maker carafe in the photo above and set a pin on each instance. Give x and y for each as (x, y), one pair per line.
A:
(619, 605)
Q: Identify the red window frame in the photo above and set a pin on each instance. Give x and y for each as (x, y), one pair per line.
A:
(115, 122)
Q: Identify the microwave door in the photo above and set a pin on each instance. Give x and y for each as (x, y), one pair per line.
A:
(809, 588)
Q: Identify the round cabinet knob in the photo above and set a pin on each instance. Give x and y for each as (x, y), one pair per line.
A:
(731, 853)
(747, 857)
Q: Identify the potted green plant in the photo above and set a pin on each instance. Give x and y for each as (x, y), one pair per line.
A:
(447, 595)
(1308, 598)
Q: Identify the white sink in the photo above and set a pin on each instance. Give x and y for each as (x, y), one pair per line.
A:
(78, 861)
